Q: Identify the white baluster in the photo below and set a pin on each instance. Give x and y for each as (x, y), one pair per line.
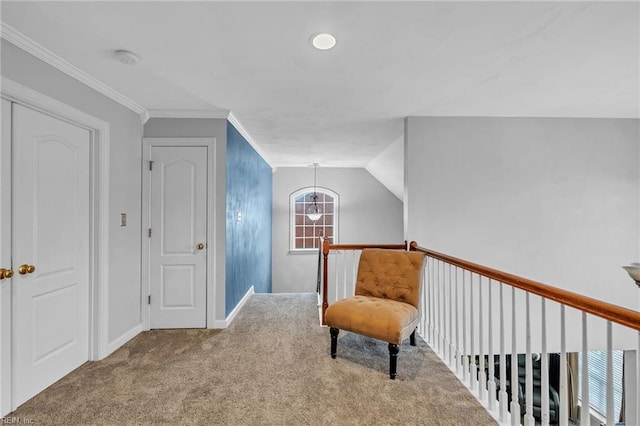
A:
(515, 405)
(637, 387)
(438, 308)
(482, 376)
(457, 324)
(610, 413)
(564, 388)
(528, 418)
(585, 418)
(632, 384)
(337, 281)
(450, 335)
(424, 313)
(473, 368)
(503, 397)
(432, 316)
(544, 367)
(465, 354)
(491, 381)
(344, 273)
(436, 300)
(443, 312)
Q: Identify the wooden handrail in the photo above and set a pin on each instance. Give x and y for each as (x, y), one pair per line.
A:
(326, 247)
(608, 311)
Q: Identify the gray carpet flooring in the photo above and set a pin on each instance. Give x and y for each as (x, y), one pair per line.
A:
(271, 366)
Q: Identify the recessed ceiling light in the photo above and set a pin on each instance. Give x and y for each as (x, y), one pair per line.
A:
(126, 57)
(323, 41)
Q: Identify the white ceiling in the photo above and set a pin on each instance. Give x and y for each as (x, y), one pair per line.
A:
(345, 106)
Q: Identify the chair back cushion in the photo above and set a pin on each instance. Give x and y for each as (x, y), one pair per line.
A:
(390, 274)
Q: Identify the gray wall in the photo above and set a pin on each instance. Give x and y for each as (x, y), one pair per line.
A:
(554, 200)
(369, 213)
(125, 178)
(204, 128)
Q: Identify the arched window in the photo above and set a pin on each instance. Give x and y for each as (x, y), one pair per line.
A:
(304, 230)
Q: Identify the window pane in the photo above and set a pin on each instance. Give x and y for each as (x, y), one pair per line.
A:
(598, 381)
(328, 220)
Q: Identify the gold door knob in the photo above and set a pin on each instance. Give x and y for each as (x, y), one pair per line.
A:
(5, 273)
(26, 269)
(200, 246)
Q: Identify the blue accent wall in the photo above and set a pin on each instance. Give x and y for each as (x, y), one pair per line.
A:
(248, 244)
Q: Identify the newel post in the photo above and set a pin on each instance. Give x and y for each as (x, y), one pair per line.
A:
(325, 277)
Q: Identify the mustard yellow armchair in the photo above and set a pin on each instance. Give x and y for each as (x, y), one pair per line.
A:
(385, 305)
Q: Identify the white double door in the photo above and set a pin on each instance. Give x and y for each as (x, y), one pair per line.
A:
(178, 235)
(50, 193)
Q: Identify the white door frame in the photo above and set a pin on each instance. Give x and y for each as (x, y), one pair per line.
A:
(212, 246)
(99, 215)
(5, 261)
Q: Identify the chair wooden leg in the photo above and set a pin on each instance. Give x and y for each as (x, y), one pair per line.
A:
(412, 338)
(334, 340)
(393, 359)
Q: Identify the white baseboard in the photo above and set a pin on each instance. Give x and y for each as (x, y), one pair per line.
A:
(124, 338)
(225, 323)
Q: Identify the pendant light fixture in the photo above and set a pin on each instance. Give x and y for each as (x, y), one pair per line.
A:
(313, 210)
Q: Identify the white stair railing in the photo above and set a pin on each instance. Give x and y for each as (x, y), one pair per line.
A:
(524, 342)
(494, 329)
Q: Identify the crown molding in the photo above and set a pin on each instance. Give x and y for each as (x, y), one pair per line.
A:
(216, 114)
(188, 113)
(234, 121)
(30, 46)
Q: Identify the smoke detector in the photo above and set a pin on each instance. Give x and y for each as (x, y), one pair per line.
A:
(126, 57)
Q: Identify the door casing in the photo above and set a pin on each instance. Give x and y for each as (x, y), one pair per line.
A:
(147, 144)
(99, 347)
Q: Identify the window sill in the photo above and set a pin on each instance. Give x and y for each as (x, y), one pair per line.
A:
(297, 252)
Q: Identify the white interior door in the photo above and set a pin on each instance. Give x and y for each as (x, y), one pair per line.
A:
(50, 250)
(178, 246)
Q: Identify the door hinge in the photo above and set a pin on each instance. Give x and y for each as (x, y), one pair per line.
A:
(149, 233)
(150, 165)
(148, 299)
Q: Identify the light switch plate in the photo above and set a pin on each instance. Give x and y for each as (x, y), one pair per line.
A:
(123, 219)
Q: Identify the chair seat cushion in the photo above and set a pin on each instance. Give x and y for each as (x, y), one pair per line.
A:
(382, 319)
